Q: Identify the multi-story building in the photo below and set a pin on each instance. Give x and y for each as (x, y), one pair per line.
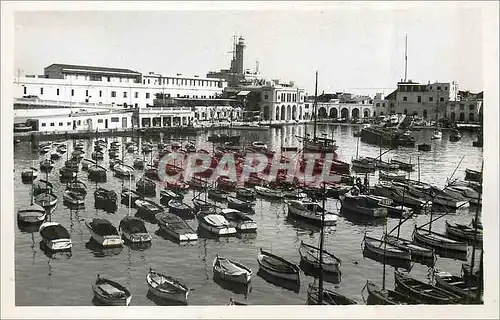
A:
(467, 107)
(340, 105)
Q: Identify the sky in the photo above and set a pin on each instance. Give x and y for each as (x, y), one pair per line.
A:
(355, 48)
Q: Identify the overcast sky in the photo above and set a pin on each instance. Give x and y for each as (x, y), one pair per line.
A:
(354, 49)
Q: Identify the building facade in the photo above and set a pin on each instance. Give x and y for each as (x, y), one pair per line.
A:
(468, 107)
(344, 106)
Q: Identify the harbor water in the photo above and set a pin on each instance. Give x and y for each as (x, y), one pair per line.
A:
(44, 279)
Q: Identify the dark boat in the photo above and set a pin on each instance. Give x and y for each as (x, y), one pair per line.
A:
(166, 195)
(378, 296)
(235, 203)
(46, 165)
(473, 175)
(457, 285)
(133, 230)
(97, 155)
(180, 208)
(223, 138)
(148, 207)
(41, 186)
(245, 193)
(310, 255)
(416, 251)
(29, 175)
(204, 206)
(73, 198)
(73, 164)
(67, 173)
(77, 186)
(277, 266)
(86, 163)
(176, 227)
(437, 240)
(46, 199)
(104, 233)
(380, 248)
(217, 194)
(146, 186)
(130, 196)
(404, 165)
(455, 136)
(105, 196)
(329, 297)
(152, 173)
(463, 232)
(197, 183)
(226, 183)
(424, 147)
(32, 214)
(111, 293)
(55, 156)
(97, 173)
(422, 291)
(139, 164)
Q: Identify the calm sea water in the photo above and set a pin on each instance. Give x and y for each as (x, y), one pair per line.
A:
(62, 279)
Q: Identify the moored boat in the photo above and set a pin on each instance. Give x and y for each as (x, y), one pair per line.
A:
(129, 196)
(380, 248)
(123, 171)
(416, 251)
(378, 296)
(133, 230)
(330, 297)
(166, 195)
(148, 207)
(111, 293)
(176, 227)
(464, 232)
(424, 292)
(310, 211)
(29, 175)
(67, 173)
(73, 198)
(269, 193)
(146, 186)
(55, 237)
(180, 208)
(216, 224)
(166, 287)
(235, 203)
(277, 266)
(392, 176)
(105, 196)
(97, 173)
(437, 240)
(362, 205)
(217, 194)
(104, 233)
(230, 270)
(447, 281)
(239, 220)
(46, 165)
(86, 163)
(310, 255)
(46, 199)
(31, 214)
(473, 175)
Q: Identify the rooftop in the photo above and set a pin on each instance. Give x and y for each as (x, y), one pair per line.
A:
(91, 68)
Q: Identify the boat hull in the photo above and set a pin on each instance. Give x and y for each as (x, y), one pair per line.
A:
(329, 219)
(428, 239)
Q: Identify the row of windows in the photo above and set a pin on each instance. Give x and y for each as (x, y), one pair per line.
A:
(183, 82)
(288, 97)
(419, 99)
(52, 124)
(415, 88)
(79, 122)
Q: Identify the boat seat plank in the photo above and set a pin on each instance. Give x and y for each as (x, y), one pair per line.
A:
(455, 283)
(470, 289)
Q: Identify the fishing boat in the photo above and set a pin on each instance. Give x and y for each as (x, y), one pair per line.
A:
(86, 163)
(259, 145)
(104, 196)
(404, 165)
(379, 164)
(380, 248)
(217, 194)
(277, 266)
(72, 164)
(138, 164)
(437, 240)
(269, 193)
(67, 173)
(41, 186)
(146, 187)
(223, 138)
(166, 195)
(437, 134)
(464, 232)
(55, 237)
(29, 175)
(111, 293)
(204, 206)
(31, 214)
(216, 224)
(416, 251)
(363, 163)
(104, 233)
(45, 149)
(310, 255)
(235, 203)
(294, 194)
(97, 173)
(230, 270)
(310, 211)
(129, 196)
(176, 227)
(46, 199)
(123, 171)
(177, 186)
(46, 165)
(384, 175)
(180, 208)
(455, 136)
(464, 193)
(424, 292)
(424, 147)
(245, 193)
(457, 285)
(73, 198)
(225, 183)
(447, 201)
(473, 175)
(362, 205)
(378, 296)
(329, 297)
(166, 287)
(148, 207)
(240, 221)
(55, 156)
(97, 155)
(133, 230)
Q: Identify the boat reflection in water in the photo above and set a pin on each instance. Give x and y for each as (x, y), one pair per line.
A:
(237, 288)
(100, 251)
(163, 302)
(361, 220)
(138, 246)
(106, 207)
(28, 227)
(293, 286)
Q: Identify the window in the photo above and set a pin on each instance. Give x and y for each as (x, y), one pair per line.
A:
(79, 122)
(144, 81)
(136, 95)
(57, 91)
(462, 106)
(149, 81)
(68, 123)
(100, 93)
(147, 95)
(120, 78)
(41, 90)
(44, 124)
(441, 99)
(439, 88)
(109, 79)
(405, 98)
(86, 93)
(124, 94)
(115, 119)
(378, 104)
(52, 124)
(72, 92)
(419, 98)
(100, 121)
(136, 105)
(471, 107)
(383, 104)
(431, 99)
(266, 96)
(445, 88)
(113, 94)
(60, 124)
(167, 80)
(25, 90)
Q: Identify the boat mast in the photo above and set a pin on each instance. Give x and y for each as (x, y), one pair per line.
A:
(357, 147)
(320, 288)
(315, 105)
(385, 248)
(473, 256)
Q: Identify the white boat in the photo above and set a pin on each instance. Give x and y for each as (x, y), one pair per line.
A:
(437, 240)
(73, 198)
(277, 266)
(122, 170)
(239, 220)
(384, 175)
(31, 214)
(166, 287)
(46, 199)
(55, 237)
(111, 293)
(132, 148)
(259, 145)
(176, 227)
(104, 233)
(216, 224)
(133, 230)
(310, 255)
(416, 251)
(310, 211)
(450, 202)
(270, 193)
(45, 149)
(384, 248)
(464, 193)
(437, 134)
(230, 270)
